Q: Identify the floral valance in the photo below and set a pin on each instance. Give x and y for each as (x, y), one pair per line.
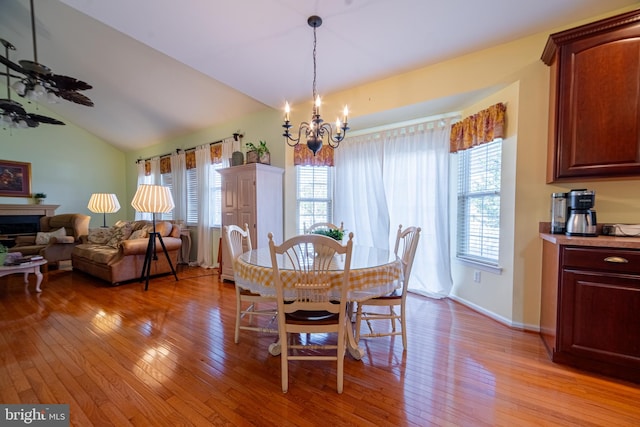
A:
(190, 159)
(480, 128)
(302, 156)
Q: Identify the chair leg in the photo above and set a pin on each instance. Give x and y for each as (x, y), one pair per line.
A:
(393, 321)
(284, 362)
(340, 357)
(358, 321)
(238, 310)
(403, 324)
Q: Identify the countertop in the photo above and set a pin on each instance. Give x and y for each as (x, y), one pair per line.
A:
(601, 240)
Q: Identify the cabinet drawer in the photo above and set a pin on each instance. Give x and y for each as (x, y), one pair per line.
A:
(607, 259)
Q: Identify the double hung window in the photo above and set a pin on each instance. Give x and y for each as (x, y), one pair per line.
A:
(478, 224)
(314, 195)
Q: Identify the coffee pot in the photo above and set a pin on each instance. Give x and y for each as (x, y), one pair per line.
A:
(581, 217)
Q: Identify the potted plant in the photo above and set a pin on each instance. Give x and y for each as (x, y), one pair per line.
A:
(3, 253)
(39, 197)
(334, 233)
(258, 153)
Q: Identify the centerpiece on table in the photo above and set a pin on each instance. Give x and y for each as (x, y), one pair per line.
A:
(258, 153)
(334, 233)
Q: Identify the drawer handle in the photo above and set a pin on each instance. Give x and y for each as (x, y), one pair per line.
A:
(616, 259)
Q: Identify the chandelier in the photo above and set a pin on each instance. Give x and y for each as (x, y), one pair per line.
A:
(316, 130)
(37, 81)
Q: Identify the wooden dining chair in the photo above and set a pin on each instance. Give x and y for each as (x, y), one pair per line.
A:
(310, 301)
(405, 248)
(238, 241)
(319, 225)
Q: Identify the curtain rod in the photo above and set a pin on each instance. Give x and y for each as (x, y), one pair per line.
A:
(236, 136)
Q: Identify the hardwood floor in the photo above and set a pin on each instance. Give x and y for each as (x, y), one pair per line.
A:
(121, 356)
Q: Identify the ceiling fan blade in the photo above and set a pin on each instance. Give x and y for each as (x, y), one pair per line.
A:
(31, 122)
(12, 106)
(44, 119)
(35, 67)
(68, 83)
(12, 65)
(76, 97)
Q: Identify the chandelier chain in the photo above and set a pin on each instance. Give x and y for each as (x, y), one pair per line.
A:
(315, 94)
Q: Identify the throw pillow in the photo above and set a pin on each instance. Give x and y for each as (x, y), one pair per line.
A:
(139, 234)
(120, 233)
(43, 238)
(99, 236)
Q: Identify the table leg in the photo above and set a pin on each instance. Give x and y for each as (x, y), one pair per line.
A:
(38, 278)
(352, 346)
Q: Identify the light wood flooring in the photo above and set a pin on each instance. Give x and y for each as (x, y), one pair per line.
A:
(166, 357)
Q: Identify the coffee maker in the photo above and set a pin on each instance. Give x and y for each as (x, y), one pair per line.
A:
(581, 217)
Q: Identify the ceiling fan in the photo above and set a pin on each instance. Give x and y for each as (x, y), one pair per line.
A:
(11, 112)
(37, 80)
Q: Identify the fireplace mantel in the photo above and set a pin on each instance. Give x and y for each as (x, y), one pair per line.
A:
(42, 210)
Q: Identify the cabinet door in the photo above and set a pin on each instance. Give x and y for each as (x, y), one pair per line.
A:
(599, 323)
(598, 104)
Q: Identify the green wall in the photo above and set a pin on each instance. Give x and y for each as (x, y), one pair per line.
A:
(68, 164)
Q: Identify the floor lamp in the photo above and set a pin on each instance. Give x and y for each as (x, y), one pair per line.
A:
(103, 203)
(153, 199)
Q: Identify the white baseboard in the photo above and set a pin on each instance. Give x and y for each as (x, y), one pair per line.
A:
(494, 316)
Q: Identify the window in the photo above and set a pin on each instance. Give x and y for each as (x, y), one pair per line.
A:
(479, 203)
(314, 195)
(215, 188)
(166, 180)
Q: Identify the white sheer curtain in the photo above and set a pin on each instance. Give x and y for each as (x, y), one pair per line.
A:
(416, 179)
(229, 145)
(153, 178)
(360, 202)
(406, 183)
(179, 185)
(203, 174)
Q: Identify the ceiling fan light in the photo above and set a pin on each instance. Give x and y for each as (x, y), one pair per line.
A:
(22, 124)
(39, 89)
(31, 95)
(19, 87)
(52, 98)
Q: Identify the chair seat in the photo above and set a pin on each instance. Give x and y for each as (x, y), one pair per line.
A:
(396, 294)
(302, 317)
(246, 292)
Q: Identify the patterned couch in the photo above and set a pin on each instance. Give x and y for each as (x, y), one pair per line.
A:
(117, 254)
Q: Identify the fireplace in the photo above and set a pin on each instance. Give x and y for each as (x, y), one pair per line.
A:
(21, 220)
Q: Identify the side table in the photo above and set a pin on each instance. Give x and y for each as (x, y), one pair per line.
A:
(185, 250)
(32, 267)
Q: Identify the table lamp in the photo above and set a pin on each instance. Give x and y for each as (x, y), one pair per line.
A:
(153, 199)
(103, 203)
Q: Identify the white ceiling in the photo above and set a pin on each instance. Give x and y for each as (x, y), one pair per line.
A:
(162, 68)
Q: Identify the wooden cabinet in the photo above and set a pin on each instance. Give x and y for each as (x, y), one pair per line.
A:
(591, 320)
(594, 115)
(252, 194)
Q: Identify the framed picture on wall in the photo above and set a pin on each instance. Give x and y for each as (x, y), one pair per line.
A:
(15, 179)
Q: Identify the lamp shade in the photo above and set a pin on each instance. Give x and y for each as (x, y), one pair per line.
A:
(103, 203)
(153, 199)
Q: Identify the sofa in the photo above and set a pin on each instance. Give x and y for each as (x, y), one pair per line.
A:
(57, 237)
(117, 254)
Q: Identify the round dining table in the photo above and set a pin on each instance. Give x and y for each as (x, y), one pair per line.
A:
(374, 272)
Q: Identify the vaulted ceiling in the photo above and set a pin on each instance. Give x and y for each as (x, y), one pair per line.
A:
(161, 68)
